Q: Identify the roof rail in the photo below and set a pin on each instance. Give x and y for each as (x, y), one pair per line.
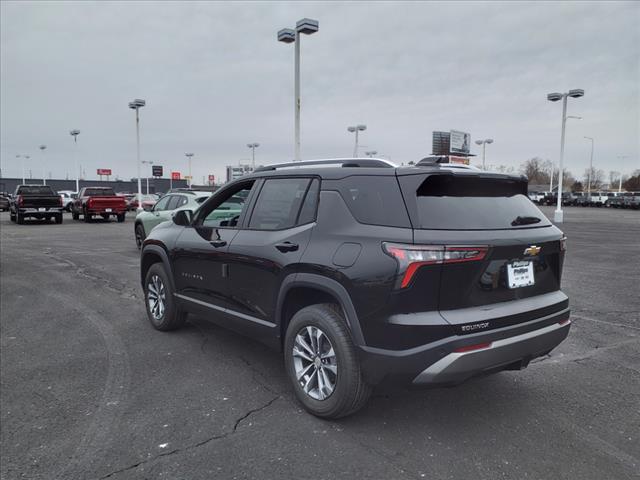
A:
(343, 162)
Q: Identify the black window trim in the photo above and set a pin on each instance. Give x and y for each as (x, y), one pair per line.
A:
(296, 225)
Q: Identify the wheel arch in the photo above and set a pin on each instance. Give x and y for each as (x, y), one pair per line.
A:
(300, 290)
(155, 254)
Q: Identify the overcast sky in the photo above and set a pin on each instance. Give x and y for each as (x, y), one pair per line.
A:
(215, 78)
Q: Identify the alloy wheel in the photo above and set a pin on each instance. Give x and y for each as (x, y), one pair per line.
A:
(315, 363)
(156, 297)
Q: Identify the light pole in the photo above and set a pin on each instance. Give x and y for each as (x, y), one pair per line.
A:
(44, 167)
(22, 164)
(74, 134)
(147, 162)
(288, 35)
(621, 157)
(355, 129)
(27, 157)
(484, 144)
(371, 153)
(590, 167)
(189, 156)
(136, 105)
(554, 97)
(253, 147)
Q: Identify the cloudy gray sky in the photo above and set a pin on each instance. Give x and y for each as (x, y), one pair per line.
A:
(214, 78)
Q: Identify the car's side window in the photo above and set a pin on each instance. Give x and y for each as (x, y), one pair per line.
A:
(310, 205)
(173, 203)
(225, 211)
(182, 200)
(162, 204)
(278, 204)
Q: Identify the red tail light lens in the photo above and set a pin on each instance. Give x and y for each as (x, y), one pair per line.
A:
(471, 348)
(411, 257)
(20, 200)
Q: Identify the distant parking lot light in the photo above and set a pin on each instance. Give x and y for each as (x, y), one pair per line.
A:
(484, 144)
(136, 105)
(44, 166)
(306, 26)
(554, 97)
(189, 156)
(253, 147)
(355, 129)
(74, 134)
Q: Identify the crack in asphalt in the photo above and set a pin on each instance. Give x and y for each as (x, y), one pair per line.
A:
(199, 444)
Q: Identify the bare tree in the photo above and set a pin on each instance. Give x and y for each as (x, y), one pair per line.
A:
(597, 178)
(536, 170)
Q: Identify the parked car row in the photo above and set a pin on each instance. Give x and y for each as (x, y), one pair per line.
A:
(593, 199)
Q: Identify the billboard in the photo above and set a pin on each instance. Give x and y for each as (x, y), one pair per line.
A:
(212, 179)
(156, 170)
(175, 175)
(104, 171)
(459, 142)
(441, 143)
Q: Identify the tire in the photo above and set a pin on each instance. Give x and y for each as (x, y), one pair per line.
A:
(87, 217)
(19, 218)
(12, 217)
(58, 218)
(169, 316)
(121, 217)
(350, 391)
(140, 235)
(74, 215)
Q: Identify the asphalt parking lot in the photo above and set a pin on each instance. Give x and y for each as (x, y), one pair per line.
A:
(90, 391)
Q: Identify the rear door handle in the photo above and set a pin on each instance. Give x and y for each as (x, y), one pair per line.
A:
(287, 247)
(218, 243)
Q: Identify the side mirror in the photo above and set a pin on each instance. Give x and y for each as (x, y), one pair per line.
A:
(182, 217)
(147, 208)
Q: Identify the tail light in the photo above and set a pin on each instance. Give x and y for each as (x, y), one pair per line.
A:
(20, 200)
(411, 257)
(90, 203)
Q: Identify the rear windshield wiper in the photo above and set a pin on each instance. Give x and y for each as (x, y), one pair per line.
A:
(524, 221)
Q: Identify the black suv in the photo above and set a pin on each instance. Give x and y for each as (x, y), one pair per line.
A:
(363, 273)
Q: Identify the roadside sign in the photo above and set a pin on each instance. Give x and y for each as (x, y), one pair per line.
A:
(156, 170)
(212, 179)
(460, 141)
(175, 175)
(104, 171)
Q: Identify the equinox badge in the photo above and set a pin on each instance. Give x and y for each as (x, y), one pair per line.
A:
(532, 250)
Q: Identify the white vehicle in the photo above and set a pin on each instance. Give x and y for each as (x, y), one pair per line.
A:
(68, 196)
(536, 197)
(598, 199)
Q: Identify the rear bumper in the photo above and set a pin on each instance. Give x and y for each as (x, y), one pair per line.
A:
(34, 212)
(442, 363)
(103, 211)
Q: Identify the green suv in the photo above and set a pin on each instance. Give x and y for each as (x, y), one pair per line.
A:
(164, 209)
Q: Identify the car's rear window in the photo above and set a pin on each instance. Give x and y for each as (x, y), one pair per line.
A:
(35, 190)
(99, 192)
(457, 202)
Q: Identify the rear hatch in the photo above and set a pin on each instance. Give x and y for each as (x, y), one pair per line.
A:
(502, 247)
(37, 196)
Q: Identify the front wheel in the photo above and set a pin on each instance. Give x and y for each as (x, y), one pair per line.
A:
(140, 236)
(162, 310)
(321, 362)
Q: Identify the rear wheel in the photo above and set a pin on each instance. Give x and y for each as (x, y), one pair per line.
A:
(12, 217)
(58, 218)
(321, 362)
(140, 235)
(19, 218)
(74, 215)
(87, 217)
(162, 310)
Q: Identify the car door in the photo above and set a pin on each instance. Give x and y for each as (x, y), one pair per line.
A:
(269, 246)
(200, 267)
(156, 215)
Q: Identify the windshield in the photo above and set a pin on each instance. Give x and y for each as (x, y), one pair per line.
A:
(99, 192)
(35, 190)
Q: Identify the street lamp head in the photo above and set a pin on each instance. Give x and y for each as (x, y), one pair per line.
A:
(307, 26)
(589, 138)
(351, 129)
(479, 142)
(554, 97)
(576, 93)
(489, 140)
(74, 132)
(188, 154)
(287, 35)
(42, 147)
(362, 127)
(137, 103)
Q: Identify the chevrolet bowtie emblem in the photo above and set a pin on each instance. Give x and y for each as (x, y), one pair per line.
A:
(532, 250)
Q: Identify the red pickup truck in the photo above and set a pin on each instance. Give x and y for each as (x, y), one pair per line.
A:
(98, 201)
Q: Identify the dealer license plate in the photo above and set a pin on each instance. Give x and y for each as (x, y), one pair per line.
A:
(520, 274)
(107, 209)
(42, 209)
